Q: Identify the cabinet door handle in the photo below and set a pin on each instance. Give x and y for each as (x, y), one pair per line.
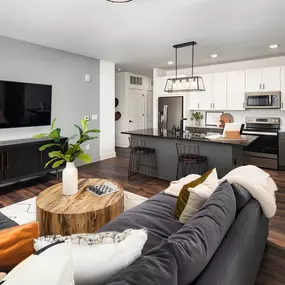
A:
(263, 86)
(213, 105)
(41, 156)
(260, 86)
(243, 105)
(7, 160)
(198, 105)
(282, 105)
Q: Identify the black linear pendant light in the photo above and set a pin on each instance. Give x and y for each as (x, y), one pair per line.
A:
(184, 84)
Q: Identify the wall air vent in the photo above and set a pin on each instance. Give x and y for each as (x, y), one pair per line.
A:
(136, 80)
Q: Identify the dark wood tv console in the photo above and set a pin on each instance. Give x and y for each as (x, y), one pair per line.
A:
(20, 159)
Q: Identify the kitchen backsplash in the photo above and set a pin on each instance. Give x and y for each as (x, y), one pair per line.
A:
(239, 116)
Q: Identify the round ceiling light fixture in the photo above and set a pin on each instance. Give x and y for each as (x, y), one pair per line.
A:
(274, 46)
(119, 1)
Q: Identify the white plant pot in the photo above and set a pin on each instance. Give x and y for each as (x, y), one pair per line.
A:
(197, 123)
(69, 179)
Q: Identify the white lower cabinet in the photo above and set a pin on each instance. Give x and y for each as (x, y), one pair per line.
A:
(236, 90)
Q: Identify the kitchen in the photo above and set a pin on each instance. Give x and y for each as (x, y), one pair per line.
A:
(226, 86)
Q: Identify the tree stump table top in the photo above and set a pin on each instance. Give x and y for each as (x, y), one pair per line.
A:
(80, 213)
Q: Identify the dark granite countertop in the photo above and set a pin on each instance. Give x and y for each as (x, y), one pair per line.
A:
(245, 141)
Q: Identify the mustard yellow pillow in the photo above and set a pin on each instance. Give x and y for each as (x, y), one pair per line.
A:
(184, 194)
(16, 244)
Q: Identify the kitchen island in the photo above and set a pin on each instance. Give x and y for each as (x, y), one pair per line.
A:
(222, 154)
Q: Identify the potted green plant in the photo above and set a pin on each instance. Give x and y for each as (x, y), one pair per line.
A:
(197, 117)
(67, 153)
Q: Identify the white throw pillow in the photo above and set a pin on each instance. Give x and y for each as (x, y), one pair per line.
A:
(212, 180)
(53, 266)
(95, 264)
(198, 196)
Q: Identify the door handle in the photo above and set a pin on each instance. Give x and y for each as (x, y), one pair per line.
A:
(198, 105)
(260, 86)
(263, 85)
(213, 105)
(282, 105)
(41, 156)
(243, 104)
(7, 160)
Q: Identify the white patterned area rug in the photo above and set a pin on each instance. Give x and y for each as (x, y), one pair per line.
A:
(25, 212)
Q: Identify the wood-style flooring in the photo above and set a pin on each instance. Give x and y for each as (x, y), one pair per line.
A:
(273, 264)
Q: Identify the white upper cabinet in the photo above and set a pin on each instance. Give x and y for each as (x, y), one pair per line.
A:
(271, 77)
(205, 97)
(263, 79)
(219, 99)
(193, 100)
(253, 80)
(235, 90)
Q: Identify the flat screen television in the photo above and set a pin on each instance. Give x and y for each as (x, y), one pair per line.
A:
(24, 104)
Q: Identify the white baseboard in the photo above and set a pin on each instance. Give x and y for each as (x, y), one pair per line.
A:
(108, 155)
(122, 144)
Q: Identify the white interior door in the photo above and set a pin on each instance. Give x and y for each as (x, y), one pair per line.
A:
(149, 110)
(135, 105)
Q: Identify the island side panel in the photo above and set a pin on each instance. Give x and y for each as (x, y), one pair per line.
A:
(224, 157)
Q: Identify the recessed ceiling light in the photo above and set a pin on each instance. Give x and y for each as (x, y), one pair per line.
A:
(119, 1)
(214, 55)
(170, 62)
(274, 46)
(119, 69)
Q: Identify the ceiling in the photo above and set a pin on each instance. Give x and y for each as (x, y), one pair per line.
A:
(139, 35)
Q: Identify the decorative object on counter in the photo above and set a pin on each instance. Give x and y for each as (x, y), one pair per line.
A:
(116, 102)
(184, 84)
(118, 116)
(68, 153)
(197, 117)
(212, 118)
(224, 119)
(104, 189)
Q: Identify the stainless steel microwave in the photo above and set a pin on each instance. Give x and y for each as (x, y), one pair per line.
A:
(263, 100)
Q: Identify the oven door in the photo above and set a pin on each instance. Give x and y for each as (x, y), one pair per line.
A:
(270, 100)
(263, 152)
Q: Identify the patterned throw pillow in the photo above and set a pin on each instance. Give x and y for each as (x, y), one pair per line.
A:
(209, 179)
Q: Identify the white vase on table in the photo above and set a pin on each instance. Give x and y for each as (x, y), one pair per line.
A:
(69, 179)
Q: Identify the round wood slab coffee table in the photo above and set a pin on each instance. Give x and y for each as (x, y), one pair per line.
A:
(80, 213)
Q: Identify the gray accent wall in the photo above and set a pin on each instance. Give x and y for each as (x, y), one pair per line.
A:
(72, 97)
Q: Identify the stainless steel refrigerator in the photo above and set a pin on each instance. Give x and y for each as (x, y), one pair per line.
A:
(170, 112)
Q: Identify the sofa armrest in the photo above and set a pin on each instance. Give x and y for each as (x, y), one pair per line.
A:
(238, 258)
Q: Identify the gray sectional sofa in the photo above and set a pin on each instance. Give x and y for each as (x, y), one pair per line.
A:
(222, 244)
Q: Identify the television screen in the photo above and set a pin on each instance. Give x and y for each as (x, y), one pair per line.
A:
(24, 104)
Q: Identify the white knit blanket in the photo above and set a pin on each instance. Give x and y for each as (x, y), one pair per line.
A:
(258, 183)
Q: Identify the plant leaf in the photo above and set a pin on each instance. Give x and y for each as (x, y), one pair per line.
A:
(47, 164)
(84, 157)
(93, 131)
(84, 125)
(40, 136)
(55, 135)
(52, 124)
(58, 163)
(57, 154)
(80, 130)
(44, 147)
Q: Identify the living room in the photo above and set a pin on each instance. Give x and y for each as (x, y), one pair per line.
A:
(142, 142)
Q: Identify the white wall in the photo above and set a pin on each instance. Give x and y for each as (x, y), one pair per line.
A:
(160, 77)
(107, 107)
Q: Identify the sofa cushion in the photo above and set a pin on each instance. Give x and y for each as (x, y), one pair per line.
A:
(242, 196)
(156, 215)
(158, 266)
(196, 242)
(6, 223)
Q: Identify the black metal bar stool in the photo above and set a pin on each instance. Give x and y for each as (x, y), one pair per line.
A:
(190, 161)
(142, 159)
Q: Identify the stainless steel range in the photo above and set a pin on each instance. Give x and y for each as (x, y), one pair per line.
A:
(264, 151)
